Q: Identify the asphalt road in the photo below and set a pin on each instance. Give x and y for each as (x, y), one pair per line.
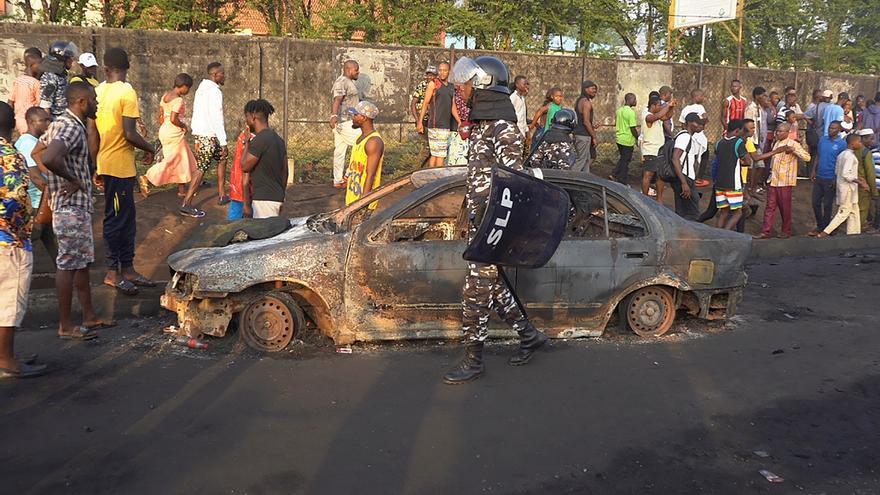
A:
(795, 377)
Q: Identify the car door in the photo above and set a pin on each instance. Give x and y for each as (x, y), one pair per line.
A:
(405, 265)
(606, 243)
(572, 287)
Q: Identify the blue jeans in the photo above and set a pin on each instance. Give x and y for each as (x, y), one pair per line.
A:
(824, 191)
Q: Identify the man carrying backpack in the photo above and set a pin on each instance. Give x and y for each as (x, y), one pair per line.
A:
(685, 160)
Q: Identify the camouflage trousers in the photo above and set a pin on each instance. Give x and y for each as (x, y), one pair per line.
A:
(484, 291)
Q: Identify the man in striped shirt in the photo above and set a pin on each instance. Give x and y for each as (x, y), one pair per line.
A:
(734, 106)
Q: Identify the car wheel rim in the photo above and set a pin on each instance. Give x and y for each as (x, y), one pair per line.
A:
(649, 312)
(268, 324)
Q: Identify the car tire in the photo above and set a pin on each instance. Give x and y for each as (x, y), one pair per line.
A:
(649, 311)
(270, 322)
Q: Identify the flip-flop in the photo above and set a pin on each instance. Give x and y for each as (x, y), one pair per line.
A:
(24, 371)
(142, 281)
(79, 333)
(101, 324)
(124, 286)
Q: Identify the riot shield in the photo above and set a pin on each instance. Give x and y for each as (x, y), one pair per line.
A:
(524, 221)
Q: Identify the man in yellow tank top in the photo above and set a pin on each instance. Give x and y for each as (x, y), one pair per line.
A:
(365, 167)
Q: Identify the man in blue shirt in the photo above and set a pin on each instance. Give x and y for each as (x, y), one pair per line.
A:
(824, 176)
(834, 113)
(37, 119)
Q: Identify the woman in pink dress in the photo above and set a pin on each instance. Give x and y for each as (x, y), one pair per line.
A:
(178, 162)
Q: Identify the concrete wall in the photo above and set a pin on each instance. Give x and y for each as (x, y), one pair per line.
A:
(256, 67)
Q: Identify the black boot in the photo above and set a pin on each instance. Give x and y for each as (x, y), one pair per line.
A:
(530, 340)
(470, 368)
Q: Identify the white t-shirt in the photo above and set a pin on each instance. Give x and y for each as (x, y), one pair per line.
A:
(690, 160)
(651, 137)
(692, 108)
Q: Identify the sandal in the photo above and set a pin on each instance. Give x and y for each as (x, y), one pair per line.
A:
(100, 324)
(79, 333)
(142, 281)
(191, 211)
(124, 286)
(24, 371)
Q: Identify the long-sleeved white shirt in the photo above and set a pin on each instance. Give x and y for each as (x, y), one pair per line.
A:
(847, 178)
(207, 116)
(519, 104)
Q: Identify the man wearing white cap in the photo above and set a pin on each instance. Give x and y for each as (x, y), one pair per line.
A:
(868, 191)
(89, 66)
(367, 154)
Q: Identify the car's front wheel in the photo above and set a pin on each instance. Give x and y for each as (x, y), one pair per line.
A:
(271, 321)
(649, 311)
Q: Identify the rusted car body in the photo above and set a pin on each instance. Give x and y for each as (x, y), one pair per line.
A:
(397, 272)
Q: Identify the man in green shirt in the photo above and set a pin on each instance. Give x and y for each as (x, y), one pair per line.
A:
(868, 190)
(627, 135)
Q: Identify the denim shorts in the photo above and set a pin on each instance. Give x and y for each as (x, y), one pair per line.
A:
(235, 211)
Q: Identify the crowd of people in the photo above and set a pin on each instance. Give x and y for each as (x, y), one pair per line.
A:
(77, 138)
(767, 144)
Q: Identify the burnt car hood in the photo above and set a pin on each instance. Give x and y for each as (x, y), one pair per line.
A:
(236, 266)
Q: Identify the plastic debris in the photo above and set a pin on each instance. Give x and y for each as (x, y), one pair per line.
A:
(778, 351)
(789, 316)
(192, 343)
(772, 478)
(765, 286)
(761, 453)
(343, 350)
(170, 329)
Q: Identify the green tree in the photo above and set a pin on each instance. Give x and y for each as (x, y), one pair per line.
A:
(412, 22)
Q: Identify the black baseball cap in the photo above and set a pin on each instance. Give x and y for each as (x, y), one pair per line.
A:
(694, 117)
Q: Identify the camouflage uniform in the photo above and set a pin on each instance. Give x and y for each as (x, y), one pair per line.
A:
(491, 142)
(53, 93)
(553, 155)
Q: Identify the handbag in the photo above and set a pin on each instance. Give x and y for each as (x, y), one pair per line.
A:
(44, 212)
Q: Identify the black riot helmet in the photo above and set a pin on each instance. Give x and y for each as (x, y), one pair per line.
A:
(497, 77)
(63, 50)
(565, 120)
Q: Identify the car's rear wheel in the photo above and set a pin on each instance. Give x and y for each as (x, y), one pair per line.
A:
(270, 322)
(649, 311)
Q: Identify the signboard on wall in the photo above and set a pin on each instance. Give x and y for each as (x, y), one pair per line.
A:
(691, 13)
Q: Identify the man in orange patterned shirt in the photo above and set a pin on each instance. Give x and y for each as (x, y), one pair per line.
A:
(783, 177)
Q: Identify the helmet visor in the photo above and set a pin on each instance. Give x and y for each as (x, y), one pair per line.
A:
(465, 70)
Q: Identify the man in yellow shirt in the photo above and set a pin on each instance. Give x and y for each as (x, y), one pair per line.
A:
(117, 128)
(365, 167)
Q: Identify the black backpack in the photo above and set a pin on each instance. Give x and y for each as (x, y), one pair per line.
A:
(666, 169)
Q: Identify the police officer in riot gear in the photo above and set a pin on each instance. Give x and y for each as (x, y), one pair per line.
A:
(556, 149)
(495, 139)
(53, 82)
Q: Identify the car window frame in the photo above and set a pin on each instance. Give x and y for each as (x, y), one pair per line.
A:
(381, 223)
(604, 194)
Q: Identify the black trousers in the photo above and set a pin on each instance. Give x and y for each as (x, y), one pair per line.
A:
(621, 172)
(824, 191)
(119, 221)
(687, 208)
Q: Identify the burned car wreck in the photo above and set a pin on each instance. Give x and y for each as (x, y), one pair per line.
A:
(396, 272)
